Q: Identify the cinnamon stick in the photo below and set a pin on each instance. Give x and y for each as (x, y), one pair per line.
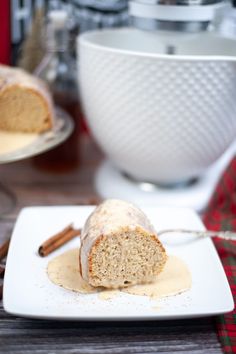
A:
(58, 240)
(4, 249)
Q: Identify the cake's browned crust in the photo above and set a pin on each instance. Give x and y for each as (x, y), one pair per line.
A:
(92, 252)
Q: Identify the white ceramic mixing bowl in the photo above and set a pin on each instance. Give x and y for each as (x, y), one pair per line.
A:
(159, 117)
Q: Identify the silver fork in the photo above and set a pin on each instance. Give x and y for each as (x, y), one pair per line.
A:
(226, 235)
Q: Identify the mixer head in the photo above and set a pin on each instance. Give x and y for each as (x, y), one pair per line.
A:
(174, 15)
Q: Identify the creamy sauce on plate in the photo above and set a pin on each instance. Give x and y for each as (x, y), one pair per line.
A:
(10, 142)
(64, 271)
(174, 279)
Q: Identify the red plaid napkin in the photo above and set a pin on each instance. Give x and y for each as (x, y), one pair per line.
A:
(221, 215)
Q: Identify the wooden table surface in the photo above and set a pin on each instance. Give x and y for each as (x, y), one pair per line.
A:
(19, 335)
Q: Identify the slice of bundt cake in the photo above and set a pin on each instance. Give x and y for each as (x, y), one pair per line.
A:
(119, 247)
(25, 102)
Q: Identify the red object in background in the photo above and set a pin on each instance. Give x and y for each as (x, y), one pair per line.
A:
(5, 35)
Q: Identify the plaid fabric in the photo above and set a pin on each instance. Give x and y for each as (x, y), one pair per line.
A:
(221, 215)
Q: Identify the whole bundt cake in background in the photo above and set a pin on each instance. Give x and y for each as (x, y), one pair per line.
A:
(25, 102)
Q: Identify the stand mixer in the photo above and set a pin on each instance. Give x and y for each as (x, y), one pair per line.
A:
(159, 99)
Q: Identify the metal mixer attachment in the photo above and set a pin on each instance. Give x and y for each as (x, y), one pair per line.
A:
(174, 15)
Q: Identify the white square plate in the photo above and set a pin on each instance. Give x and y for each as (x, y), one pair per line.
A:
(28, 291)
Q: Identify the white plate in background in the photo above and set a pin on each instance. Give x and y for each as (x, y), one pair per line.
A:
(62, 129)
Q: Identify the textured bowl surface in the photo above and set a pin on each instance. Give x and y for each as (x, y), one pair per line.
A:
(158, 117)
